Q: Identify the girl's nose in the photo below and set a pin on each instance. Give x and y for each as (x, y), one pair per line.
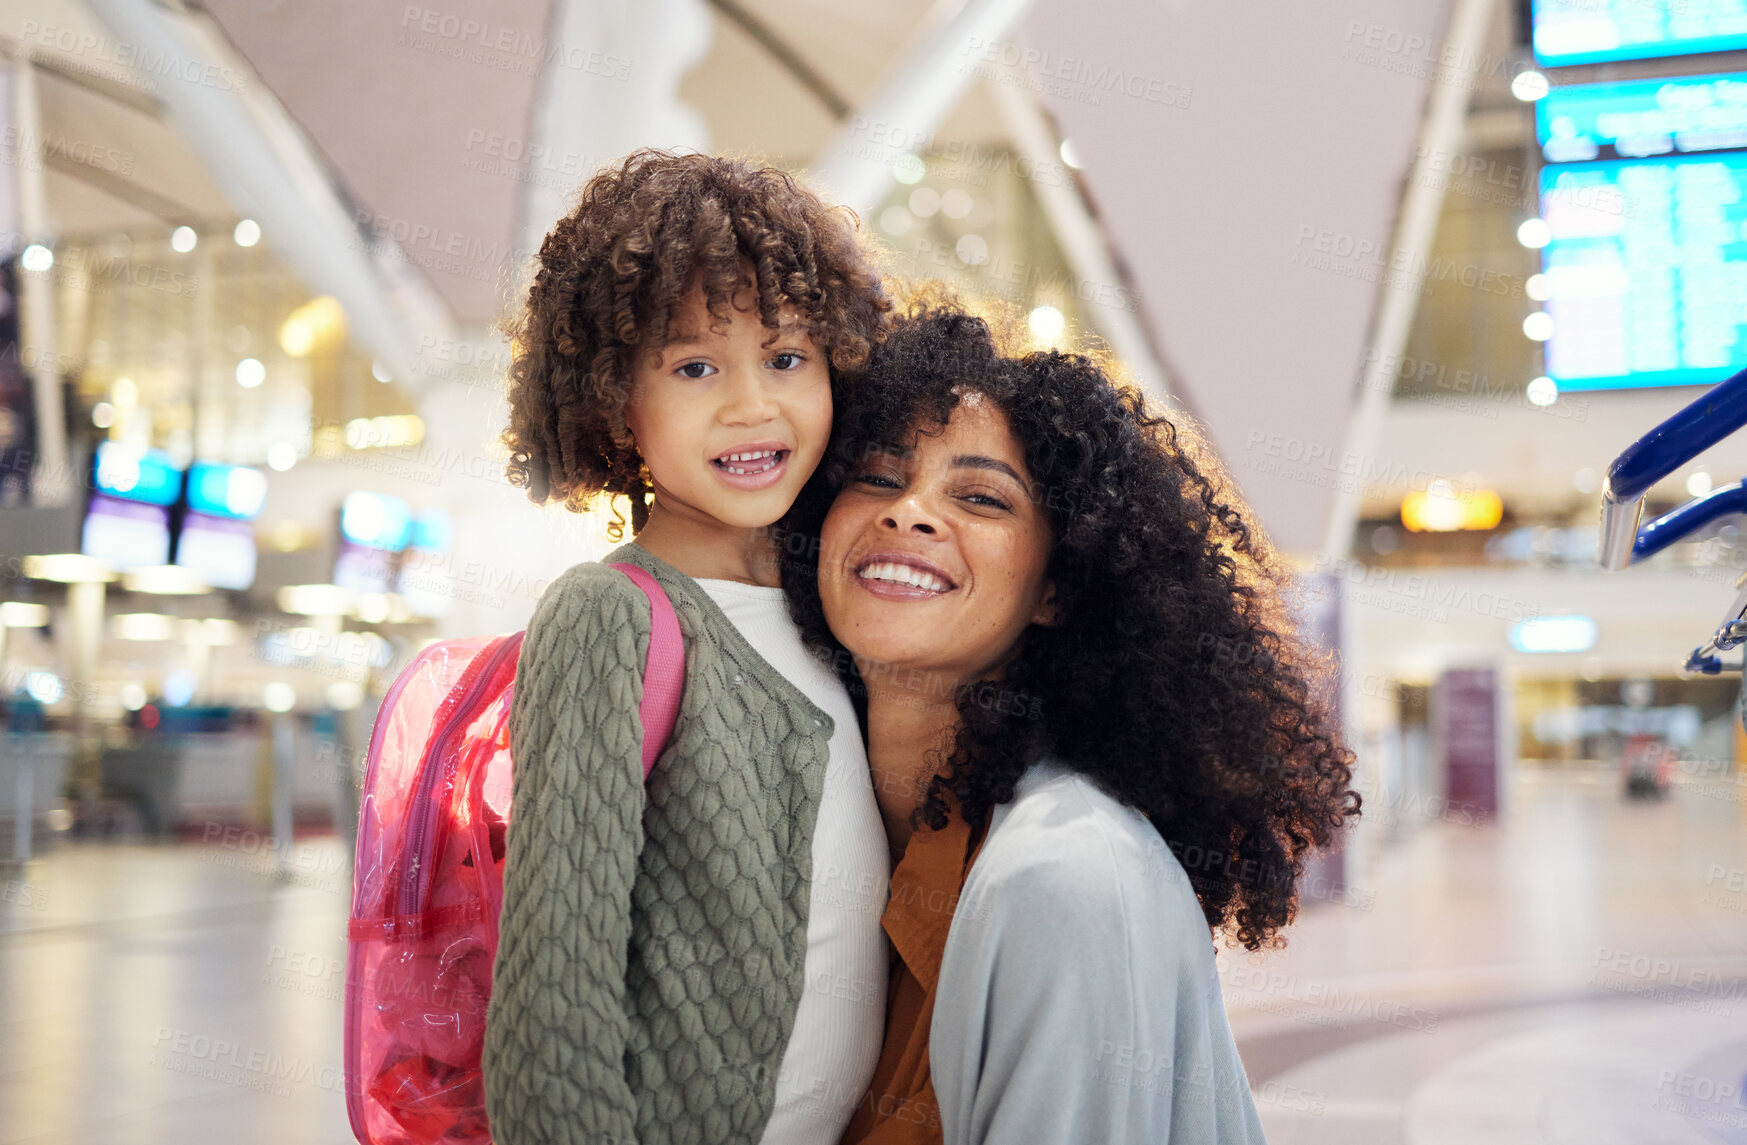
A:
(746, 400)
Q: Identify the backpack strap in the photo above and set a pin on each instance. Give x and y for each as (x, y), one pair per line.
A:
(664, 673)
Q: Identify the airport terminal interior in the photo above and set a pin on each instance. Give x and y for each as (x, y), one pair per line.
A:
(1417, 272)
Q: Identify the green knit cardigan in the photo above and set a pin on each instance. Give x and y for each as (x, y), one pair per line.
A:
(653, 939)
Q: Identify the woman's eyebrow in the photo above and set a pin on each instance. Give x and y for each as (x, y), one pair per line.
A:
(976, 461)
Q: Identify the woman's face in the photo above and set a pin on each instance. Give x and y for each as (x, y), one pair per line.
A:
(933, 560)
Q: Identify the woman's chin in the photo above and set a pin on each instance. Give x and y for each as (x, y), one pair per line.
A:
(896, 661)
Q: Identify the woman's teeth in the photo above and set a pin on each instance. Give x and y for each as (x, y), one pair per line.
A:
(905, 574)
(747, 464)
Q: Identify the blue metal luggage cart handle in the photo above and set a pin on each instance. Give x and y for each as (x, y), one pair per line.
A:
(1719, 412)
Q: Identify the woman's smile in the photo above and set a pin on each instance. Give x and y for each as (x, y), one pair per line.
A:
(903, 576)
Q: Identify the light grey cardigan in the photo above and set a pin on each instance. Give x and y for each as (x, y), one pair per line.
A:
(1079, 1002)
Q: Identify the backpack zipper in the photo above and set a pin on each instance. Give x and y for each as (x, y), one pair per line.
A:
(421, 840)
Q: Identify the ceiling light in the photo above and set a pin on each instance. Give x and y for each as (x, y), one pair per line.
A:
(23, 614)
(1047, 324)
(70, 568)
(1530, 86)
(165, 580)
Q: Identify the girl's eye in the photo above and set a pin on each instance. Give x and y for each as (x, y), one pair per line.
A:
(787, 360)
(695, 370)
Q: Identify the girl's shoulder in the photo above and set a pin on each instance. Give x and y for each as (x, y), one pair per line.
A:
(585, 596)
(591, 595)
(597, 607)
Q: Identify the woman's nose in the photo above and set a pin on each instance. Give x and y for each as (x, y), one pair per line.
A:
(910, 516)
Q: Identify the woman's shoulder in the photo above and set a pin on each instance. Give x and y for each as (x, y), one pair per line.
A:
(1065, 844)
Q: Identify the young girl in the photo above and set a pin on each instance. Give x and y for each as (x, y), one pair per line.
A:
(699, 959)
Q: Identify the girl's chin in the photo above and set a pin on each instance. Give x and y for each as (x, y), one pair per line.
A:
(750, 510)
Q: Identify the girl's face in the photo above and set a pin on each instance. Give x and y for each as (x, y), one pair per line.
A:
(934, 559)
(731, 420)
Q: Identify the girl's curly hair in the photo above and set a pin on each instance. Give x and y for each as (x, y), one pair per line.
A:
(1173, 676)
(611, 276)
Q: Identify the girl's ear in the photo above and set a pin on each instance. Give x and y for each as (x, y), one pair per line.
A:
(1046, 610)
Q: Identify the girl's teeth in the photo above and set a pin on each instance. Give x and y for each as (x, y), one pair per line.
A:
(767, 458)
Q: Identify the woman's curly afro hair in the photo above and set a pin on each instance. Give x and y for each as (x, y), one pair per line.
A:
(1172, 676)
(611, 276)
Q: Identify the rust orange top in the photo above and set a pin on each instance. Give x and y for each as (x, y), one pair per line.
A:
(900, 1108)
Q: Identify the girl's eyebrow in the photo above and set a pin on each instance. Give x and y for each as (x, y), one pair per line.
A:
(678, 347)
(792, 330)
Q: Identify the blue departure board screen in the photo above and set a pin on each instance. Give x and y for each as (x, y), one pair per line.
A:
(135, 474)
(1595, 31)
(1646, 271)
(1643, 117)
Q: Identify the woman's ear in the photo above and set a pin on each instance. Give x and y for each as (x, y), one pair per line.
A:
(1046, 610)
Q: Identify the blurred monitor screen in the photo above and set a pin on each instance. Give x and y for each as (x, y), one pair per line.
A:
(135, 474)
(376, 520)
(432, 531)
(234, 491)
(1594, 31)
(425, 580)
(220, 549)
(127, 534)
(1643, 117)
(1646, 271)
(364, 568)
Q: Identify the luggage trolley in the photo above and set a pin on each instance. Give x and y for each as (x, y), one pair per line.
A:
(1719, 412)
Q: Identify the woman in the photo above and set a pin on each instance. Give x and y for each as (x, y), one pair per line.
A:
(1093, 737)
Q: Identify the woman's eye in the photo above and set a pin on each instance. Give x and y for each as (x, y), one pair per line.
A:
(787, 360)
(695, 370)
(877, 480)
(988, 501)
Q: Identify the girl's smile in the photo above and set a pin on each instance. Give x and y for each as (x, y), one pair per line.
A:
(753, 466)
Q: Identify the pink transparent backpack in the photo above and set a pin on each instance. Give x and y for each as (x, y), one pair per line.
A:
(428, 878)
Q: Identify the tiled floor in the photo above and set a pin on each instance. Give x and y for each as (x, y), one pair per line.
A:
(176, 993)
(1577, 975)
